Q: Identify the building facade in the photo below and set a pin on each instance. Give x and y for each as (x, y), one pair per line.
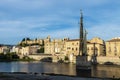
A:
(95, 45)
(56, 46)
(4, 49)
(27, 41)
(113, 47)
(25, 51)
(71, 47)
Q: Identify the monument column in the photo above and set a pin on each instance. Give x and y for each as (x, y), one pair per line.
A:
(82, 64)
(81, 42)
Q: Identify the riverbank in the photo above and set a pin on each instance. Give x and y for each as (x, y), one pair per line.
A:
(37, 76)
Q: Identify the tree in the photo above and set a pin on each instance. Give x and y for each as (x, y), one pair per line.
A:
(26, 39)
(41, 50)
(9, 57)
(23, 39)
(66, 58)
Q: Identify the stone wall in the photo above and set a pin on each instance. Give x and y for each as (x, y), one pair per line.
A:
(103, 59)
(40, 56)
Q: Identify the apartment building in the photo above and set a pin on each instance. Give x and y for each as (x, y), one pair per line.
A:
(113, 47)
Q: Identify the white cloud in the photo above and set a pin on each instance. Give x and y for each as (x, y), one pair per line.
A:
(105, 31)
(50, 4)
(34, 18)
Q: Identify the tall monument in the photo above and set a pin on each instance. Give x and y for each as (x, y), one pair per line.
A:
(83, 34)
(82, 63)
(81, 45)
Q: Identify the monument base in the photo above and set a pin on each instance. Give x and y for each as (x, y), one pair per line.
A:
(83, 66)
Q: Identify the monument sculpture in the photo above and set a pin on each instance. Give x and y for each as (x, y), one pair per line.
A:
(82, 63)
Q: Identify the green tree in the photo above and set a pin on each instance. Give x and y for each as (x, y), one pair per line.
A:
(9, 57)
(66, 58)
(41, 50)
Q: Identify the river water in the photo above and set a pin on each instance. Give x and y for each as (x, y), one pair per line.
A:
(58, 68)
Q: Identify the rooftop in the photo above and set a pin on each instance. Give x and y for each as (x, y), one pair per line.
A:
(116, 39)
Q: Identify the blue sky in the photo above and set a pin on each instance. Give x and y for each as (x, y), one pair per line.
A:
(57, 18)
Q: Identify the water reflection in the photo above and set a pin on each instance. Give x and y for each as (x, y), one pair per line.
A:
(5, 67)
(59, 68)
(106, 71)
(19, 67)
(83, 73)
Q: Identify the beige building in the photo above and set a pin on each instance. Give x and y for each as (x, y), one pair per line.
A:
(27, 46)
(113, 47)
(28, 50)
(95, 45)
(55, 46)
(31, 42)
(71, 47)
(24, 51)
(16, 49)
(4, 49)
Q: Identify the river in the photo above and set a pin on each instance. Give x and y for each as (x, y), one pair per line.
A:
(58, 68)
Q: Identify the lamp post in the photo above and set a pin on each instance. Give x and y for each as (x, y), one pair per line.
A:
(94, 54)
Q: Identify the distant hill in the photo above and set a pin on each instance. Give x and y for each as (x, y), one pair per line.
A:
(6, 45)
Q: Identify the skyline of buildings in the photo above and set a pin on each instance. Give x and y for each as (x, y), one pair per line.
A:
(59, 48)
(72, 45)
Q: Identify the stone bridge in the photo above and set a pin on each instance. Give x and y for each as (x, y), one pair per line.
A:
(47, 57)
(41, 57)
(56, 58)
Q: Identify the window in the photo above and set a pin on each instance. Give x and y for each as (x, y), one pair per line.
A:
(77, 43)
(76, 49)
(68, 47)
(88, 48)
(72, 48)
(72, 43)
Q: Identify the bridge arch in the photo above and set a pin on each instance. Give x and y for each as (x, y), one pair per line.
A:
(41, 57)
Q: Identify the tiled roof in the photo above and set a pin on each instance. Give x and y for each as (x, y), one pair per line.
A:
(114, 40)
(79, 39)
(76, 40)
(73, 40)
